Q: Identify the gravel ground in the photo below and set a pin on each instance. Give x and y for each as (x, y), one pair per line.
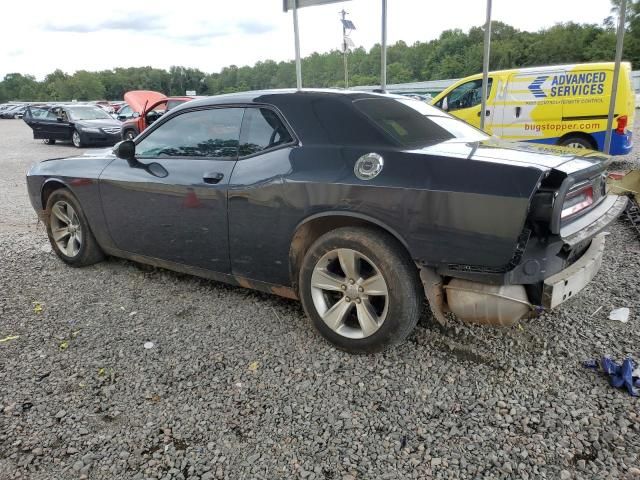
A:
(237, 385)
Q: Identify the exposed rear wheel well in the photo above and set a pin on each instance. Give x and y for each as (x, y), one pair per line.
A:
(581, 135)
(48, 189)
(310, 231)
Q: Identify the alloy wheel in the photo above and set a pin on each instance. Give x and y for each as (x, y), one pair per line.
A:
(349, 293)
(76, 139)
(66, 229)
(575, 145)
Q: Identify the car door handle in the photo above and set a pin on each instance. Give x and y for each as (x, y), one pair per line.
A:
(518, 110)
(212, 177)
(486, 114)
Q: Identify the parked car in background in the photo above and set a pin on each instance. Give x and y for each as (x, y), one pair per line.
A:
(146, 107)
(104, 105)
(557, 105)
(83, 125)
(12, 111)
(124, 113)
(5, 106)
(424, 97)
(117, 106)
(364, 205)
(19, 112)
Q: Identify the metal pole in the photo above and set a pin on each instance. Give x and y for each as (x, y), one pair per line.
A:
(297, 41)
(344, 50)
(485, 65)
(383, 54)
(616, 75)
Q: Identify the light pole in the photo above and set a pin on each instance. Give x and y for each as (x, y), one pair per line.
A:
(383, 49)
(485, 65)
(347, 27)
(616, 75)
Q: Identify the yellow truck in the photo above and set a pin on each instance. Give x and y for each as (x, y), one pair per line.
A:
(559, 105)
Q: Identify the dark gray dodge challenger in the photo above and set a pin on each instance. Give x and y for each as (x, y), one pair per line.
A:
(360, 205)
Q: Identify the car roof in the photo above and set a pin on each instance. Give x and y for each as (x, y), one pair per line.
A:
(271, 96)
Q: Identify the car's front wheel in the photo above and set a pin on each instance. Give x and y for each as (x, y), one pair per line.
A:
(76, 139)
(129, 135)
(69, 232)
(360, 289)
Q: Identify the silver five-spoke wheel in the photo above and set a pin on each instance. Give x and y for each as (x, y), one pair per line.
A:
(349, 293)
(75, 138)
(66, 228)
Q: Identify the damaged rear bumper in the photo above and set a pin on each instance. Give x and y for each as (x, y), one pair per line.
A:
(565, 284)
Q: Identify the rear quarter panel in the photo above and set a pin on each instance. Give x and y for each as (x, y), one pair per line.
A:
(446, 210)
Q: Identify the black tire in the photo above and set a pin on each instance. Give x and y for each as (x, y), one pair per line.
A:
(577, 141)
(129, 135)
(49, 141)
(89, 251)
(76, 139)
(404, 298)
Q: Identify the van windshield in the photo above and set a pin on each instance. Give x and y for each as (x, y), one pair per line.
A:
(413, 123)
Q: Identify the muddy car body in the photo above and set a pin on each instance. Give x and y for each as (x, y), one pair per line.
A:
(358, 204)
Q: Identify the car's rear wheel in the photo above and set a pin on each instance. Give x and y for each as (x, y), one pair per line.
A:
(76, 139)
(360, 289)
(69, 232)
(577, 142)
(49, 141)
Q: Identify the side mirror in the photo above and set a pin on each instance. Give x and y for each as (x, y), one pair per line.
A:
(126, 150)
(135, 115)
(445, 104)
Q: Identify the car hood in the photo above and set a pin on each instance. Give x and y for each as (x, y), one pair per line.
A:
(545, 157)
(138, 99)
(100, 123)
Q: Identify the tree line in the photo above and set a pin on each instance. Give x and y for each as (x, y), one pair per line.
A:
(453, 54)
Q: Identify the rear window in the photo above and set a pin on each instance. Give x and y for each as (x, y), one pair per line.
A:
(413, 123)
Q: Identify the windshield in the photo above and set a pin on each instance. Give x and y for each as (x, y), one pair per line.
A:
(413, 123)
(87, 113)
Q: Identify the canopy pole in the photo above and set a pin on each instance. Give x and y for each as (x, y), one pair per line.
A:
(485, 65)
(616, 75)
(296, 34)
(383, 53)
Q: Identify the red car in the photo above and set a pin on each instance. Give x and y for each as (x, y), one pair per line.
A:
(147, 106)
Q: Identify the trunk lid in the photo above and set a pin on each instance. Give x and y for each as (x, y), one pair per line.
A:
(567, 160)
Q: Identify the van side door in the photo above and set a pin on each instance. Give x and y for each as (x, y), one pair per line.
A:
(528, 111)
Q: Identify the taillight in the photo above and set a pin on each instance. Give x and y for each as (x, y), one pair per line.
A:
(622, 124)
(577, 200)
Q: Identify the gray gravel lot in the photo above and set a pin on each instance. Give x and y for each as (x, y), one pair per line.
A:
(237, 385)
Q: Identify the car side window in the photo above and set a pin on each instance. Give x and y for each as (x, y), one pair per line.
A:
(262, 130)
(52, 114)
(467, 95)
(212, 133)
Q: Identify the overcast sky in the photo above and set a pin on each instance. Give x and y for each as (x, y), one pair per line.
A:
(38, 36)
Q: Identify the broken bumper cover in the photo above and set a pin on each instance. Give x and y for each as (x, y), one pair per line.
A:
(595, 221)
(565, 284)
